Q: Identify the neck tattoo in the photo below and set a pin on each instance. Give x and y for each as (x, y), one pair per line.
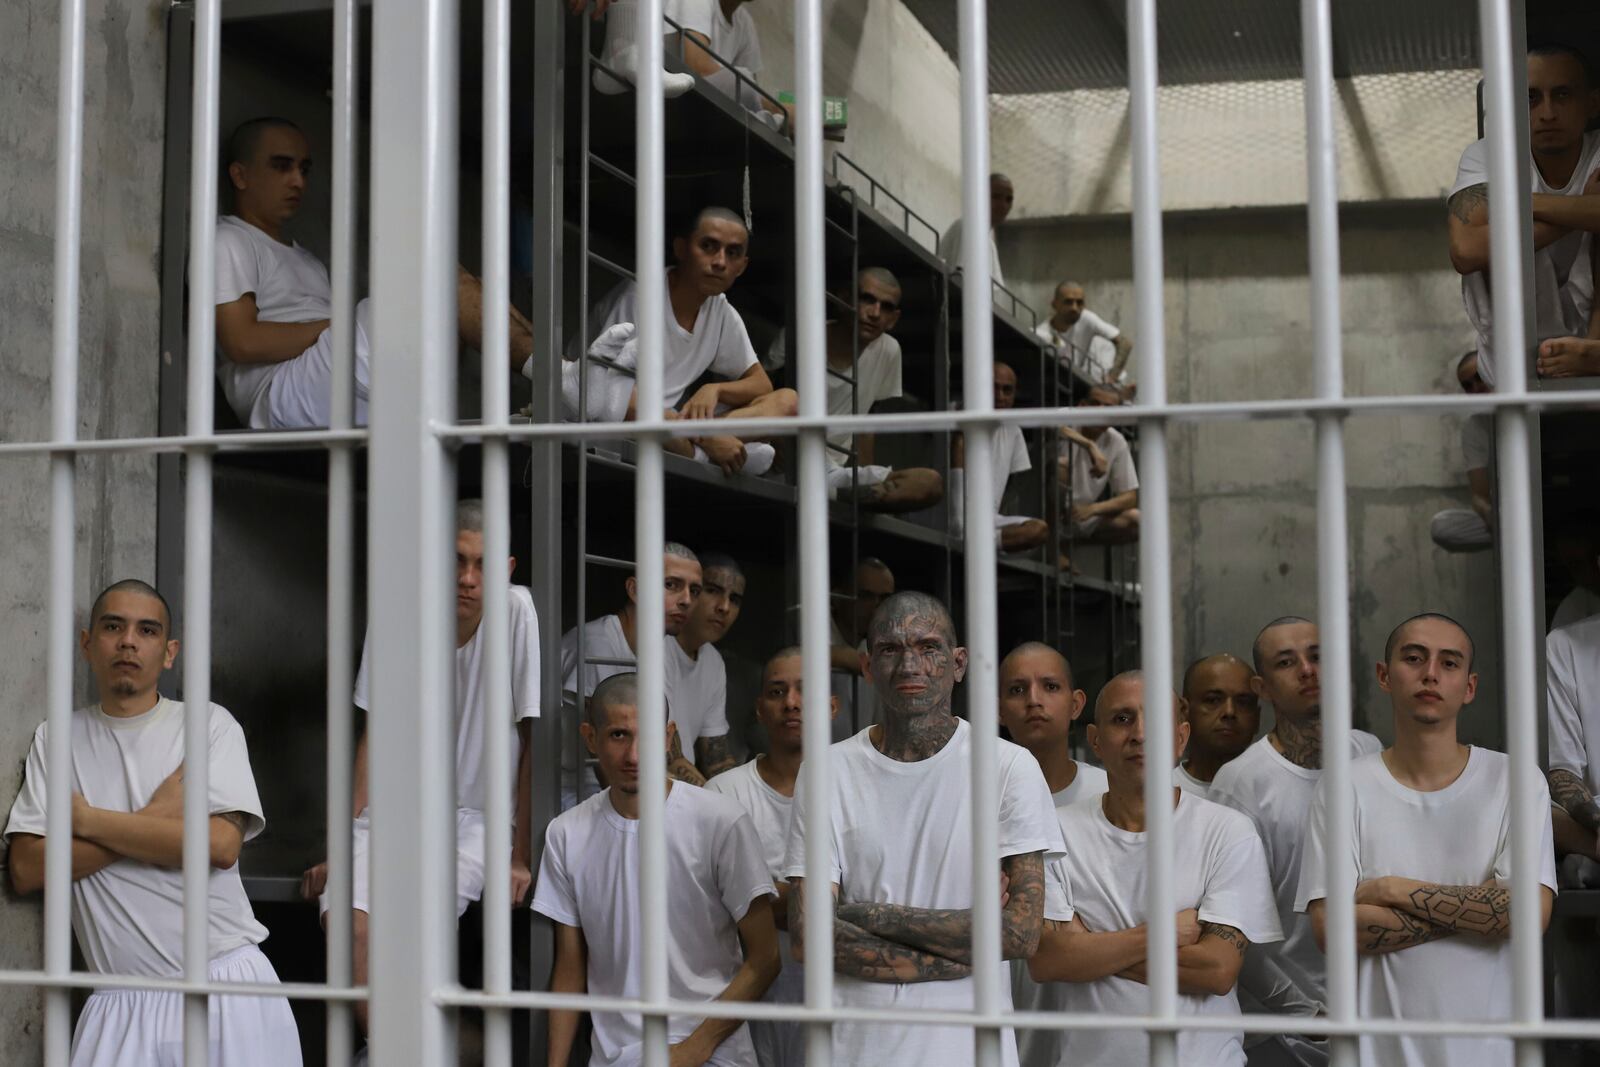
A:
(1301, 742)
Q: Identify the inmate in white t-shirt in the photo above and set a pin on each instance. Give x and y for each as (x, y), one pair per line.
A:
(1563, 280)
(1010, 457)
(1076, 347)
(1220, 870)
(1276, 794)
(1575, 607)
(589, 878)
(735, 39)
(290, 285)
(719, 342)
(1189, 783)
(470, 695)
(1458, 835)
(1121, 475)
(878, 377)
(950, 251)
(128, 917)
(700, 694)
(1572, 659)
(1042, 1048)
(902, 834)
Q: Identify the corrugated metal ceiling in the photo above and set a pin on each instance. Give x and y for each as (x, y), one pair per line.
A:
(1039, 46)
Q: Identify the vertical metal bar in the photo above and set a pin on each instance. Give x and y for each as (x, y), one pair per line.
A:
(649, 524)
(580, 754)
(1510, 250)
(977, 356)
(197, 529)
(1155, 562)
(413, 257)
(63, 528)
(496, 268)
(341, 523)
(1333, 592)
(810, 376)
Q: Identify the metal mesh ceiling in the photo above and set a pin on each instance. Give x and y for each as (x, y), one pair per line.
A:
(1039, 46)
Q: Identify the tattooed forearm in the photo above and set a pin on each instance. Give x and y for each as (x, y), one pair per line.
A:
(1227, 934)
(1570, 794)
(678, 767)
(1383, 930)
(1465, 204)
(713, 755)
(860, 954)
(1481, 910)
(948, 932)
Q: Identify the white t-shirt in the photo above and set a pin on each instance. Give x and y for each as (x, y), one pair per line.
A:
(1563, 282)
(1276, 794)
(1189, 783)
(950, 251)
(1575, 607)
(1220, 870)
(735, 40)
(128, 917)
(589, 878)
(1572, 658)
(1477, 442)
(290, 285)
(902, 834)
(719, 343)
(1458, 835)
(769, 812)
(700, 692)
(1042, 1048)
(697, 15)
(471, 713)
(1120, 476)
(877, 377)
(1010, 457)
(1076, 348)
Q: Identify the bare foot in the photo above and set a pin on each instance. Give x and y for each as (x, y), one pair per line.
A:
(1569, 357)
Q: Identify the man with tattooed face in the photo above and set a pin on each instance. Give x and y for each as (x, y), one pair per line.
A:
(1272, 782)
(902, 848)
(1432, 859)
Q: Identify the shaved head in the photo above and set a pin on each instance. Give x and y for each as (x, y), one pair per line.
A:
(1394, 635)
(1258, 649)
(617, 691)
(1038, 648)
(900, 606)
(882, 275)
(1102, 701)
(718, 213)
(1219, 659)
(246, 137)
(133, 585)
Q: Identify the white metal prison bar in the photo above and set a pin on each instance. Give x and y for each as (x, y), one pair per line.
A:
(63, 536)
(1503, 35)
(411, 498)
(1333, 593)
(341, 526)
(197, 529)
(977, 356)
(811, 378)
(1155, 560)
(496, 603)
(650, 170)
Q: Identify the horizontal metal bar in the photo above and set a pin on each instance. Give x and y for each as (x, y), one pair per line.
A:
(253, 440)
(841, 303)
(609, 561)
(1556, 1029)
(610, 168)
(1030, 418)
(847, 235)
(146, 983)
(611, 265)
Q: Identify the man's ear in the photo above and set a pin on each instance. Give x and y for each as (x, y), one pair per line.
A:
(1472, 688)
(83, 644)
(236, 176)
(1383, 677)
(672, 738)
(1093, 736)
(1257, 684)
(1180, 740)
(587, 729)
(632, 586)
(172, 655)
(961, 663)
(511, 567)
(1080, 700)
(833, 707)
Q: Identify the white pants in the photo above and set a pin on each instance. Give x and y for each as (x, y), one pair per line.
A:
(296, 396)
(137, 1028)
(1461, 530)
(840, 477)
(469, 862)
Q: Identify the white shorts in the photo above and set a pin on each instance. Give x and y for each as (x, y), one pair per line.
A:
(296, 396)
(469, 862)
(840, 477)
(138, 1028)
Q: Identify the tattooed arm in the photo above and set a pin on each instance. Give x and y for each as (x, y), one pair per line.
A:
(1480, 910)
(1469, 229)
(1209, 957)
(712, 755)
(947, 932)
(678, 767)
(1379, 929)
(859, 954)
(1568, 793)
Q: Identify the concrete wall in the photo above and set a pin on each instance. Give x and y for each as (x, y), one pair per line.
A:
(123, 129)
(903, 92)
(1244, 494)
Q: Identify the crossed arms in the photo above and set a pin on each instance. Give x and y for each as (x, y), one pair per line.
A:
(1399, 913)
(101, 837)
(1209, 954)
(880, 942)
(759, 940)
